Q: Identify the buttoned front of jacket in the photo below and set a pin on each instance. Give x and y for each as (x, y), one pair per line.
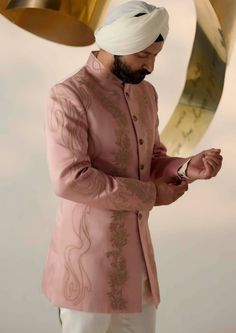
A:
(103, 152)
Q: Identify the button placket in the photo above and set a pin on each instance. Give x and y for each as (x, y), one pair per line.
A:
(140, 141)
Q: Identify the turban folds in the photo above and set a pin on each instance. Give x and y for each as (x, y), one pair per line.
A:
(123, 33)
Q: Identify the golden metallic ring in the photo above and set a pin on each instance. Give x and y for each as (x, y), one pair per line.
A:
(211, 51)
(72, 22)
(68, 22)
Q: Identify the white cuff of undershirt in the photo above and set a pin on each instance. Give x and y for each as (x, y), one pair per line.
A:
(183, 168)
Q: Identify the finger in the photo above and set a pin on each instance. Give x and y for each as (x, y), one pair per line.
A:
(180, 186)
(212, 150)
(183, 185)
(211, 165)
(216, 157)
(211, 169)
(178, 195)
(214, 161)
(215, 168)
(206, 173)
(213, 154)
(180, 190)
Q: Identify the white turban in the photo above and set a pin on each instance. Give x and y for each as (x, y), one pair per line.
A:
(122, 33)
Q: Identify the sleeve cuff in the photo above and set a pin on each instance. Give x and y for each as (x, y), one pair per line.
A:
(183, 168)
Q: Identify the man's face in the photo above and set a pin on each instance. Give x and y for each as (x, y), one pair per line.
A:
(134, 67)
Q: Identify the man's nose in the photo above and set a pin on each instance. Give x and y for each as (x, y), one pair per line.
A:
(149, 66)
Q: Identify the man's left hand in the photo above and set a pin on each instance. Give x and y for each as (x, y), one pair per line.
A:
(204, 165)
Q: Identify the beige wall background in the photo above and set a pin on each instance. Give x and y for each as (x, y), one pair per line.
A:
(194, 238)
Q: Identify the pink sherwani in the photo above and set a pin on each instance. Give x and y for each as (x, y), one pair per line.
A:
(103, 150)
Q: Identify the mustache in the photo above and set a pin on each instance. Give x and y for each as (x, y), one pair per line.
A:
(143, 72)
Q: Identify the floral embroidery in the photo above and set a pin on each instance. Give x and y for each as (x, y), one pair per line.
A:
(146, 195)
(122, 156)
(118, 272)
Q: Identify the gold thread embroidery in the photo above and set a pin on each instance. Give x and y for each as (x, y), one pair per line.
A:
(65, 118)
(146, 195)
(118, 272)
(76, 280)
(122, 157)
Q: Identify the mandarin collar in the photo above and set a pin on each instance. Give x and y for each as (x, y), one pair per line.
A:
(102, 74)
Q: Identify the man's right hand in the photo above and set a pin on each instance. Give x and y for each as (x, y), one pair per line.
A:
(169, 190)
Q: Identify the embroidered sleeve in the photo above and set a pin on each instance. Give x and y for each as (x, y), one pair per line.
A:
(70, 169)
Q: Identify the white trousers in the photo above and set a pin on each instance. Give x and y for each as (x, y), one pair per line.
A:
(84, 322)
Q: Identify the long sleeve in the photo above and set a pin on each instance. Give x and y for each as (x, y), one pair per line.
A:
(71, 172)
(162, 164)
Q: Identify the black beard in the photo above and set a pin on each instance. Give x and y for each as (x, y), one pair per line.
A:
(125, 74)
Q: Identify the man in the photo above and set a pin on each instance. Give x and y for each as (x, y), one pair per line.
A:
(110, 169)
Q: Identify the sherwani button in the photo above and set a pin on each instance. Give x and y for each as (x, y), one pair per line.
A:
(140, 141)
(141, 166)
(135, 118)
(140, 216)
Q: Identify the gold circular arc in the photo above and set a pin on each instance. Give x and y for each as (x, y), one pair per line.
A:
(72, 22)
(214, 37)
(68, 22)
